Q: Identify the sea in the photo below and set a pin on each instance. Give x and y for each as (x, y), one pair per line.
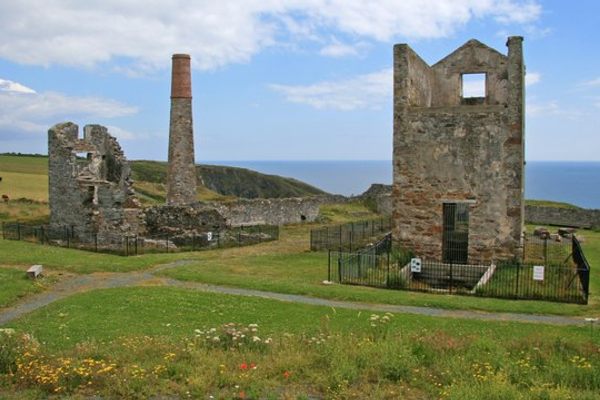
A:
(577, 183)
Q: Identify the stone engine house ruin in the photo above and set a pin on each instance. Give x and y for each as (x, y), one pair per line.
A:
(89, 181)
(459, 157)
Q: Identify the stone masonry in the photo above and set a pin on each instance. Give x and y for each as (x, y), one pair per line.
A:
(181, 176)
(574, 217)
(450, 149)
(89, 181)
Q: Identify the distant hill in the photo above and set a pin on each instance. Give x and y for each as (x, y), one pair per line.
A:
(26, 176)
(229, 181)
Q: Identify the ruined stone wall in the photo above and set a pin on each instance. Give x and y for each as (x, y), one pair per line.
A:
(272, 211)
(452, 151)
(195, 218)
(207, 216)
(574, 217)
(92, 192)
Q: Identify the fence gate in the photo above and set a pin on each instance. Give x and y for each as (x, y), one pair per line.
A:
(455, 233)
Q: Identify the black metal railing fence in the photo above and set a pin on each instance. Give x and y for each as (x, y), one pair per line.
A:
(563, 276)
(350, 236)
(127, 244)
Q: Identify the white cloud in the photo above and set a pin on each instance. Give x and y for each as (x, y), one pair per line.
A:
(32, 112)
(10, 86)
(121, 134)
(531, 78)
(142, 34)
(592, 82)
(535, 108)
(339, 49)
(364, 91)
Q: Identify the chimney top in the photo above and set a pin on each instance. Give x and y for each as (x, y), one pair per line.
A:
(181, 77)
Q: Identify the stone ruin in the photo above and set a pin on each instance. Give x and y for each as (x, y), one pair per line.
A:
(89, 181)
(459, 159)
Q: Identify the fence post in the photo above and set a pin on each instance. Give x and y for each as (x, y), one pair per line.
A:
(359, 265)
(546, 252)
(387, 278)
(127, 245)
(351, 235)
(260, 239)
(136, 245)
(96, 241)
(3, 232)
(68, 237)
(340, 237)
(42, 234)
(451, 278)
(18, 231)
(239, 237)
(517, 287)
(167, 242)
(340, 267)
(329, 265)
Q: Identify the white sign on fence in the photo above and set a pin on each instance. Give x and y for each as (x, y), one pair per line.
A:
(209, 236)
(415, 265)
(538, 272)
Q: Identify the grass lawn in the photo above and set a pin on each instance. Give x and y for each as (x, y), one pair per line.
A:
(286, 266)
(15, 285)
(139, 342)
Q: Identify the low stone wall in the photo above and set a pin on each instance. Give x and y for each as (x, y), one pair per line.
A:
(575, 217)
(204, 217)
(271, 211)
(196, 218)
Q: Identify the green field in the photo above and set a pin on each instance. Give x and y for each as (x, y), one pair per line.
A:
(140, 342)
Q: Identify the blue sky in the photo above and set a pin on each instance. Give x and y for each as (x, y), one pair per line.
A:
(280, 79)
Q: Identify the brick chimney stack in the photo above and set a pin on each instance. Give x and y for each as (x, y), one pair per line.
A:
(181, 176)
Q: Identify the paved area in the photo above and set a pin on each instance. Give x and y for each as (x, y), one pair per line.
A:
(84, 283)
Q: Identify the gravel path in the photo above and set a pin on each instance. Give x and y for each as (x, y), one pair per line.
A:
(84, 283)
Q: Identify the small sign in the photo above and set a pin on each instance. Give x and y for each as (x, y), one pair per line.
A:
(415, 265)
(209, 236)
(538, 272)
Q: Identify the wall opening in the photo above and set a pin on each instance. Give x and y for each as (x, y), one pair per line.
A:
(473, 88)
(455, 233)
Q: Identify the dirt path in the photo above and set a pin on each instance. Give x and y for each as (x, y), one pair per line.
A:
(84, 283)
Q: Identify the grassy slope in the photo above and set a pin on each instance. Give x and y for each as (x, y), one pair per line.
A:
(287, 266)
(148, 337)
(548, 203)
(27, 177)
(14, 285)
(302, 273)
(228, 181)
(110, 313)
